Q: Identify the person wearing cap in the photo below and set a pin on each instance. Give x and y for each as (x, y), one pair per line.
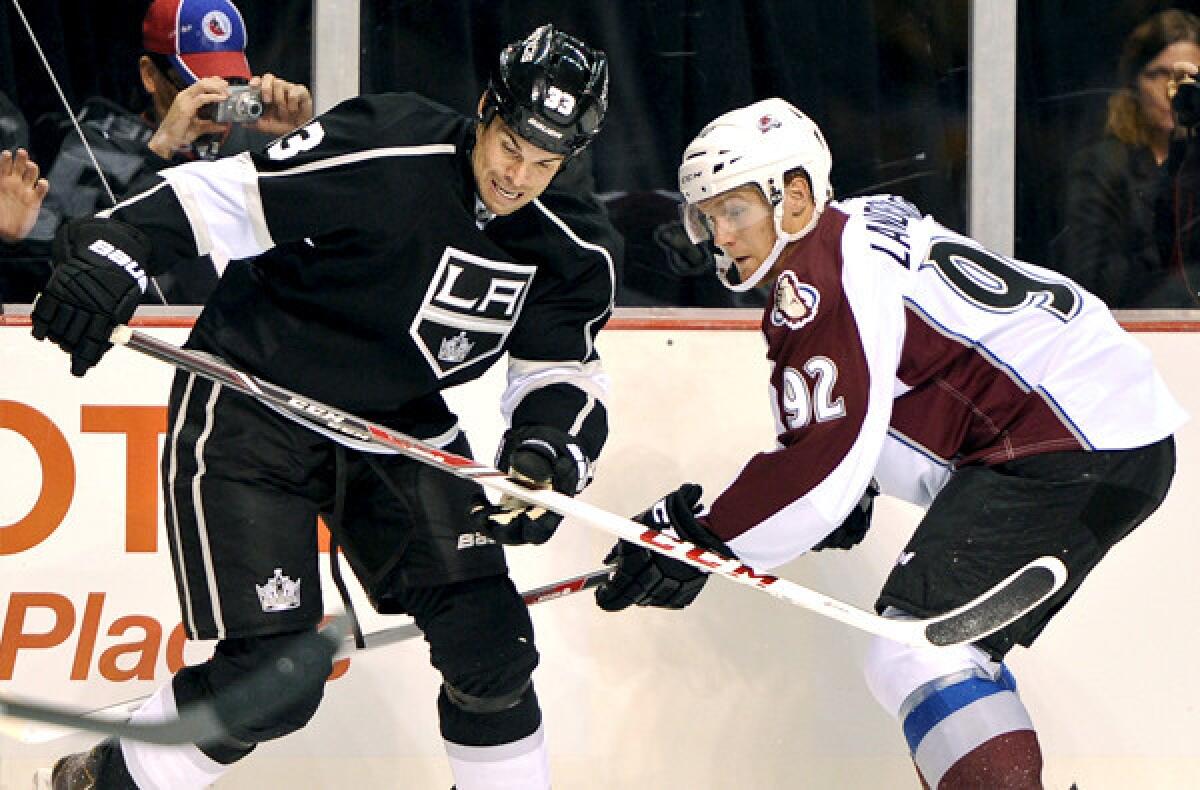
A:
(417, 246)
(194, 53)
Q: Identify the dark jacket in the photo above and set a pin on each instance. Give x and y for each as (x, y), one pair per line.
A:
(1119, 203)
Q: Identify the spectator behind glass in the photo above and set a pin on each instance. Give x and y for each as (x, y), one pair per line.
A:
(194, 52)
(1116, 186)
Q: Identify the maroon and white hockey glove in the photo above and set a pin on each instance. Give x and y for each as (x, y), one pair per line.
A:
(647, 578)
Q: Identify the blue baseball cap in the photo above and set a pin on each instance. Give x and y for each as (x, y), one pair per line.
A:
(203, 38)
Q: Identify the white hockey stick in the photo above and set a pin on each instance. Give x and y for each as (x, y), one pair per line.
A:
(121, 711)
(993, 610)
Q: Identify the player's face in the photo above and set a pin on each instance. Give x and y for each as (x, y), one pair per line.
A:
(509, 170)
(742, 225)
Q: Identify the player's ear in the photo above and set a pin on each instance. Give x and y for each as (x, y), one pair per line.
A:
(797, 192)
(479, 109)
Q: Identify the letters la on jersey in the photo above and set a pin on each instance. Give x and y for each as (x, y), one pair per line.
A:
(469, 309)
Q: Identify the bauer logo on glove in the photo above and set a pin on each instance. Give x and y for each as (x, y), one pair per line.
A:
(99, 277)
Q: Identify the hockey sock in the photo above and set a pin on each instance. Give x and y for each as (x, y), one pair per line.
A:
(520, 765)
(971, 730)
(156, 767)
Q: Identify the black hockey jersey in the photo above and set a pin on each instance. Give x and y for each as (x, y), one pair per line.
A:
(383, 289)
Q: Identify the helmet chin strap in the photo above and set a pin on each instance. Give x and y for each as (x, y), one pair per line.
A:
(782, 239)
(761, 271)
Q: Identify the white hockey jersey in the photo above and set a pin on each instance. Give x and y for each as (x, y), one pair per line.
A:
(902, 350)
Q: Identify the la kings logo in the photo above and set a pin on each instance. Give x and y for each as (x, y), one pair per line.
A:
(469, 309)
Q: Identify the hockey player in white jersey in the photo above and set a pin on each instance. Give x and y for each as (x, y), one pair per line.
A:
(998, 395)
(402, 248)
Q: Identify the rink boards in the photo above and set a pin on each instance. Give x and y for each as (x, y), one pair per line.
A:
(739, 690)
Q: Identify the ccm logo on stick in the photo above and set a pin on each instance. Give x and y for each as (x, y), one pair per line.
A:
(705, 557)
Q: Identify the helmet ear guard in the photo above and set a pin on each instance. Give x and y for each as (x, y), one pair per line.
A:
(551, 89)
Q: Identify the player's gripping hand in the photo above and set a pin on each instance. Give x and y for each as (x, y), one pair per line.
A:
(97, 281)
(543, 457)
(851, 531)
(647, 578)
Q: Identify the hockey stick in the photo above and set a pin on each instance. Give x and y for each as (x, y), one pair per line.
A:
(996, 608)
(547, 592)
(270, 688)
(119, 713)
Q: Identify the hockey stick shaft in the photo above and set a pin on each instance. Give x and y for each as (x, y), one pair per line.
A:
(547, 592)
(993, 610)
(66, 721)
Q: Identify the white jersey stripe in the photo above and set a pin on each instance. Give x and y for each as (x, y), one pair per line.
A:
(525, 376)
(361, 156)
(588, 407)
(223, 206)
(612, 271)
(210, 572)
(108, 212)
(173, 503)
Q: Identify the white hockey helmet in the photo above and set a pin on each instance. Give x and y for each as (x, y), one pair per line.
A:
(758, 144)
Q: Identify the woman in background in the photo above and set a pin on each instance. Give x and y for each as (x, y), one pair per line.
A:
(1116, 186)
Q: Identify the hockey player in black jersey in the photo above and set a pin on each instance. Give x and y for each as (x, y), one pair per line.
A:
(411, 247)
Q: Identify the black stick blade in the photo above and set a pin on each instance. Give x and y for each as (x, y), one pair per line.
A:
(1011, 599)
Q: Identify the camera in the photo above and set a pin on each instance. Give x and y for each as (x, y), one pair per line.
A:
(1185, 102)
(243, 105)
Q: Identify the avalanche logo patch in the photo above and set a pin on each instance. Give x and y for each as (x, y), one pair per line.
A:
(469, 309)
(795, 302)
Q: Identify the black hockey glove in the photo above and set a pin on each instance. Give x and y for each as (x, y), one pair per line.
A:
(544, 457)
(97, 282)
(854, 528)
(647, 578)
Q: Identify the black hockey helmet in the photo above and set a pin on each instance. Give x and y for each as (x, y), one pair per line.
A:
(550, 88)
